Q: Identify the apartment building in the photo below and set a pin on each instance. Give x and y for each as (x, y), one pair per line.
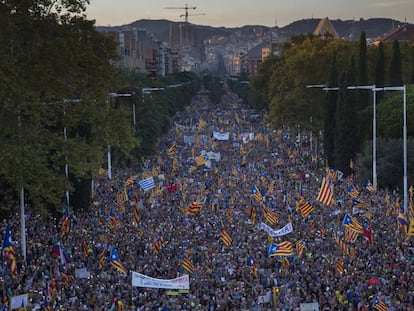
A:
(139, 51)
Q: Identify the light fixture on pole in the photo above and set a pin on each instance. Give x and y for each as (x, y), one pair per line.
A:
(316, 86)
(133, 104)
(326, 89)
(322, 86)
(374, 90)
(109, 158)
(22, 209)
(65, 136)
(108, 154)
(148, 90)
(405, 181)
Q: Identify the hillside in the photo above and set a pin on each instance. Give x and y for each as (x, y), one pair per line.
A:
(165, 30)
(373, 27)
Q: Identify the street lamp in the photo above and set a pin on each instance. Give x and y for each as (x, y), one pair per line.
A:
(374, 90)
(326, 89)
(133, 104)
(404, 90)
(77, 101)
(315, 86)
(22, 207)
(148, 90)
(374, 169)
(323, 87)
(174, 85)
(109, 158)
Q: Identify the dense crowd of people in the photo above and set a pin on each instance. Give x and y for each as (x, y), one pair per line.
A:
(206, 174)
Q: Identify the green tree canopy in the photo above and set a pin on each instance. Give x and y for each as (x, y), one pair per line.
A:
(51, 55)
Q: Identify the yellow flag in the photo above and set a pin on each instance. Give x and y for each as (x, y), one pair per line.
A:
(411, 227)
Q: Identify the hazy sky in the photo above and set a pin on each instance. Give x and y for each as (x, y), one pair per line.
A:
(235, 13)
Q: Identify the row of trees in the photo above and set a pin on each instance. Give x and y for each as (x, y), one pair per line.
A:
(55, 77)
(345, 116)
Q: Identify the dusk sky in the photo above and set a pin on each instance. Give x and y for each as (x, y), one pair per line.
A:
(236, 13)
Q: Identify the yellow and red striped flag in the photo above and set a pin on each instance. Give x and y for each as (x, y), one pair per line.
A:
(281, 249)
(380, 305)
(101, 258)
(342, 245)
(269, 216)
(352, 252)
(116, 263)
(157, 245)
(172, 150)
(225, 237)
(187, 264)
(85, 250)
(325, 195)
(251, 210)
(130, 181)
(137, 215)
(300, 247)
(340, 266)
(305, 208)
(229, 214)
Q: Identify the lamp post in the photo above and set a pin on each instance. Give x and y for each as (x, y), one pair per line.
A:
(109, 158)
(323, 87)
(326, 89)
(315, 86)
(134, 121)
(374, 90)
(65, 136)
(22, 209)
(405, 182)
(148, 90)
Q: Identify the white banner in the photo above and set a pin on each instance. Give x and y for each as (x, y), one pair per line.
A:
(221, 136)
(17, 302)
(82, 273)
(214, 156)
(310, 306)
(288, 228)
(142, 280)
(185, 127)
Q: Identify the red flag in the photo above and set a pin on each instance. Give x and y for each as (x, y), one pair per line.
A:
(367, 234)
(172, 188)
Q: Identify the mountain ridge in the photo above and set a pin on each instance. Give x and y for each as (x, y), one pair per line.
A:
(163, 29)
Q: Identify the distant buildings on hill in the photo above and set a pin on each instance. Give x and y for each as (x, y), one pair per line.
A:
(138, 50)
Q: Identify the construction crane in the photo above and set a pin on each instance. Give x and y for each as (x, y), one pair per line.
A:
(186, 8)
(187, 15)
